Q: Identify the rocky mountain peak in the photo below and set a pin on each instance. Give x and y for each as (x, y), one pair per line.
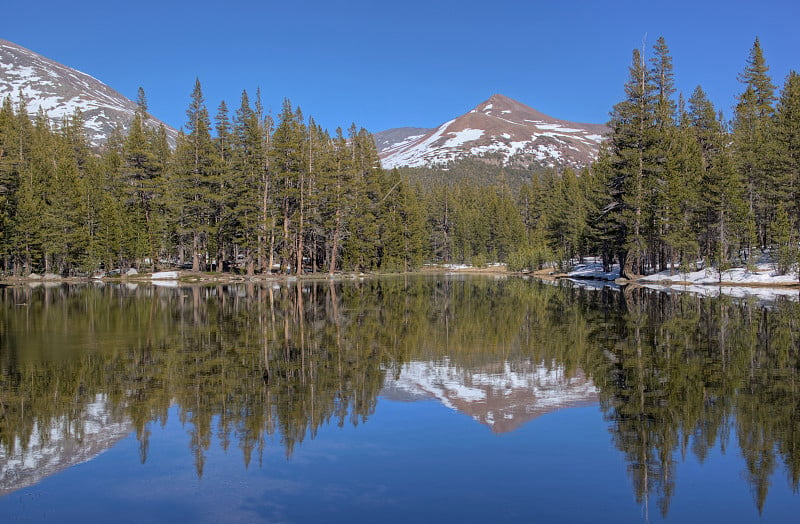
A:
(58, 91)
(498, 130)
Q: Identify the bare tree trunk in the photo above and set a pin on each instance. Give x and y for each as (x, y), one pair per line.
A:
(335, 243)
(195, 252)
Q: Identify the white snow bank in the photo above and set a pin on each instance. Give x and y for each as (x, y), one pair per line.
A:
(594, 270)
(763, 274)
(764, 294)
(165, 275)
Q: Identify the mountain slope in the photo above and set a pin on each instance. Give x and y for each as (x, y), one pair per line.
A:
(499, 130)
(59, 90)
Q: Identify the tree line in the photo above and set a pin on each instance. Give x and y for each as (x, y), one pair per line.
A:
(675, 186)
(248, 193)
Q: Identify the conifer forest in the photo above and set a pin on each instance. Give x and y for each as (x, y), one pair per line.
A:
(677, 185)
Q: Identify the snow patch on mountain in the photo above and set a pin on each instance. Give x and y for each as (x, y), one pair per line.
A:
(461, 137)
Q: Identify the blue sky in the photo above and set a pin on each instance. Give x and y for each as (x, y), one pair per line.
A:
(410, 63)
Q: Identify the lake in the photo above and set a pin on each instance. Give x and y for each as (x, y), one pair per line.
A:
(396, 399)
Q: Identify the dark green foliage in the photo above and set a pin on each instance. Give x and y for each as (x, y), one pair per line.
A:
(470, 171)
(787, 159)
(194, 188)
(752, 135)
(672, 188)
(676, 374)
(680, 187)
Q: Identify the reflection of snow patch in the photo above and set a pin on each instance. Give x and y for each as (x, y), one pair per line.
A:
(59, 442)
(543, 388)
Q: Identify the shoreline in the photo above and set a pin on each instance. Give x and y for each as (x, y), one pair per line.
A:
(193, 277)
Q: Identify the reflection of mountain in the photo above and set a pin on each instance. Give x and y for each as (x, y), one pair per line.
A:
(504, 397)
(61, 444)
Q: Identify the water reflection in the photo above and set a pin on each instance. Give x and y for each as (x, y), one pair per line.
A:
(503, 396)
(59, 444)
(245, 364)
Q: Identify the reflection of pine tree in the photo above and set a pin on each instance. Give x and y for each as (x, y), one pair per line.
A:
(249, 364)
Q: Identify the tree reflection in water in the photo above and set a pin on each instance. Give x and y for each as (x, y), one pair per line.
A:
(676, 374)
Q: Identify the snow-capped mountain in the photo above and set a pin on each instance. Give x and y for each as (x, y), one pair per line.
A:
(59, 90)
(56, 445)
(499, 130)
(503, 397)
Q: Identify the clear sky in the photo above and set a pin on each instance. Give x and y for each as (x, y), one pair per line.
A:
(410, 63)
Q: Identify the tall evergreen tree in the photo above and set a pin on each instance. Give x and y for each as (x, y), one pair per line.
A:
(665, 150)
(224, 143)
(9, 179)
(362, 244)
(685, 168)
(245, 182)
(725, 210)
(194, 188)
(787, 142)
(633, 163)
(751, 136)
(287, 163)
(142, 173)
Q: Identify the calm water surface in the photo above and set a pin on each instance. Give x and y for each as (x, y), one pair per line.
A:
(425, 399)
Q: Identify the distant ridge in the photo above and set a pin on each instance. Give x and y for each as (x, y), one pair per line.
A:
(58, 91)
(499, 130)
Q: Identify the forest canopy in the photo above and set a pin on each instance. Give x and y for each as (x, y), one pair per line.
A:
(675, 186)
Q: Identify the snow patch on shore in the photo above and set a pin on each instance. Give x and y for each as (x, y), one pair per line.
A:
(763, 274)
(594, 270)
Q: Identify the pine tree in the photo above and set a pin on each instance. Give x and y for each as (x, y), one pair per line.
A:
(321, 164)
(632, 164)
(725, 204)
(665, 148)
(703, 120)
(569, 216)
(403, 232)
(194, 187)
(361, 246)
(245, 191)
(787, 142)
(142, 173)
(334, 212)
(9, 180)
(223, 231)
(287, 164)
(784, 241)
(685, 168)
(751, 136)
(141, 104)
(600, 228)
